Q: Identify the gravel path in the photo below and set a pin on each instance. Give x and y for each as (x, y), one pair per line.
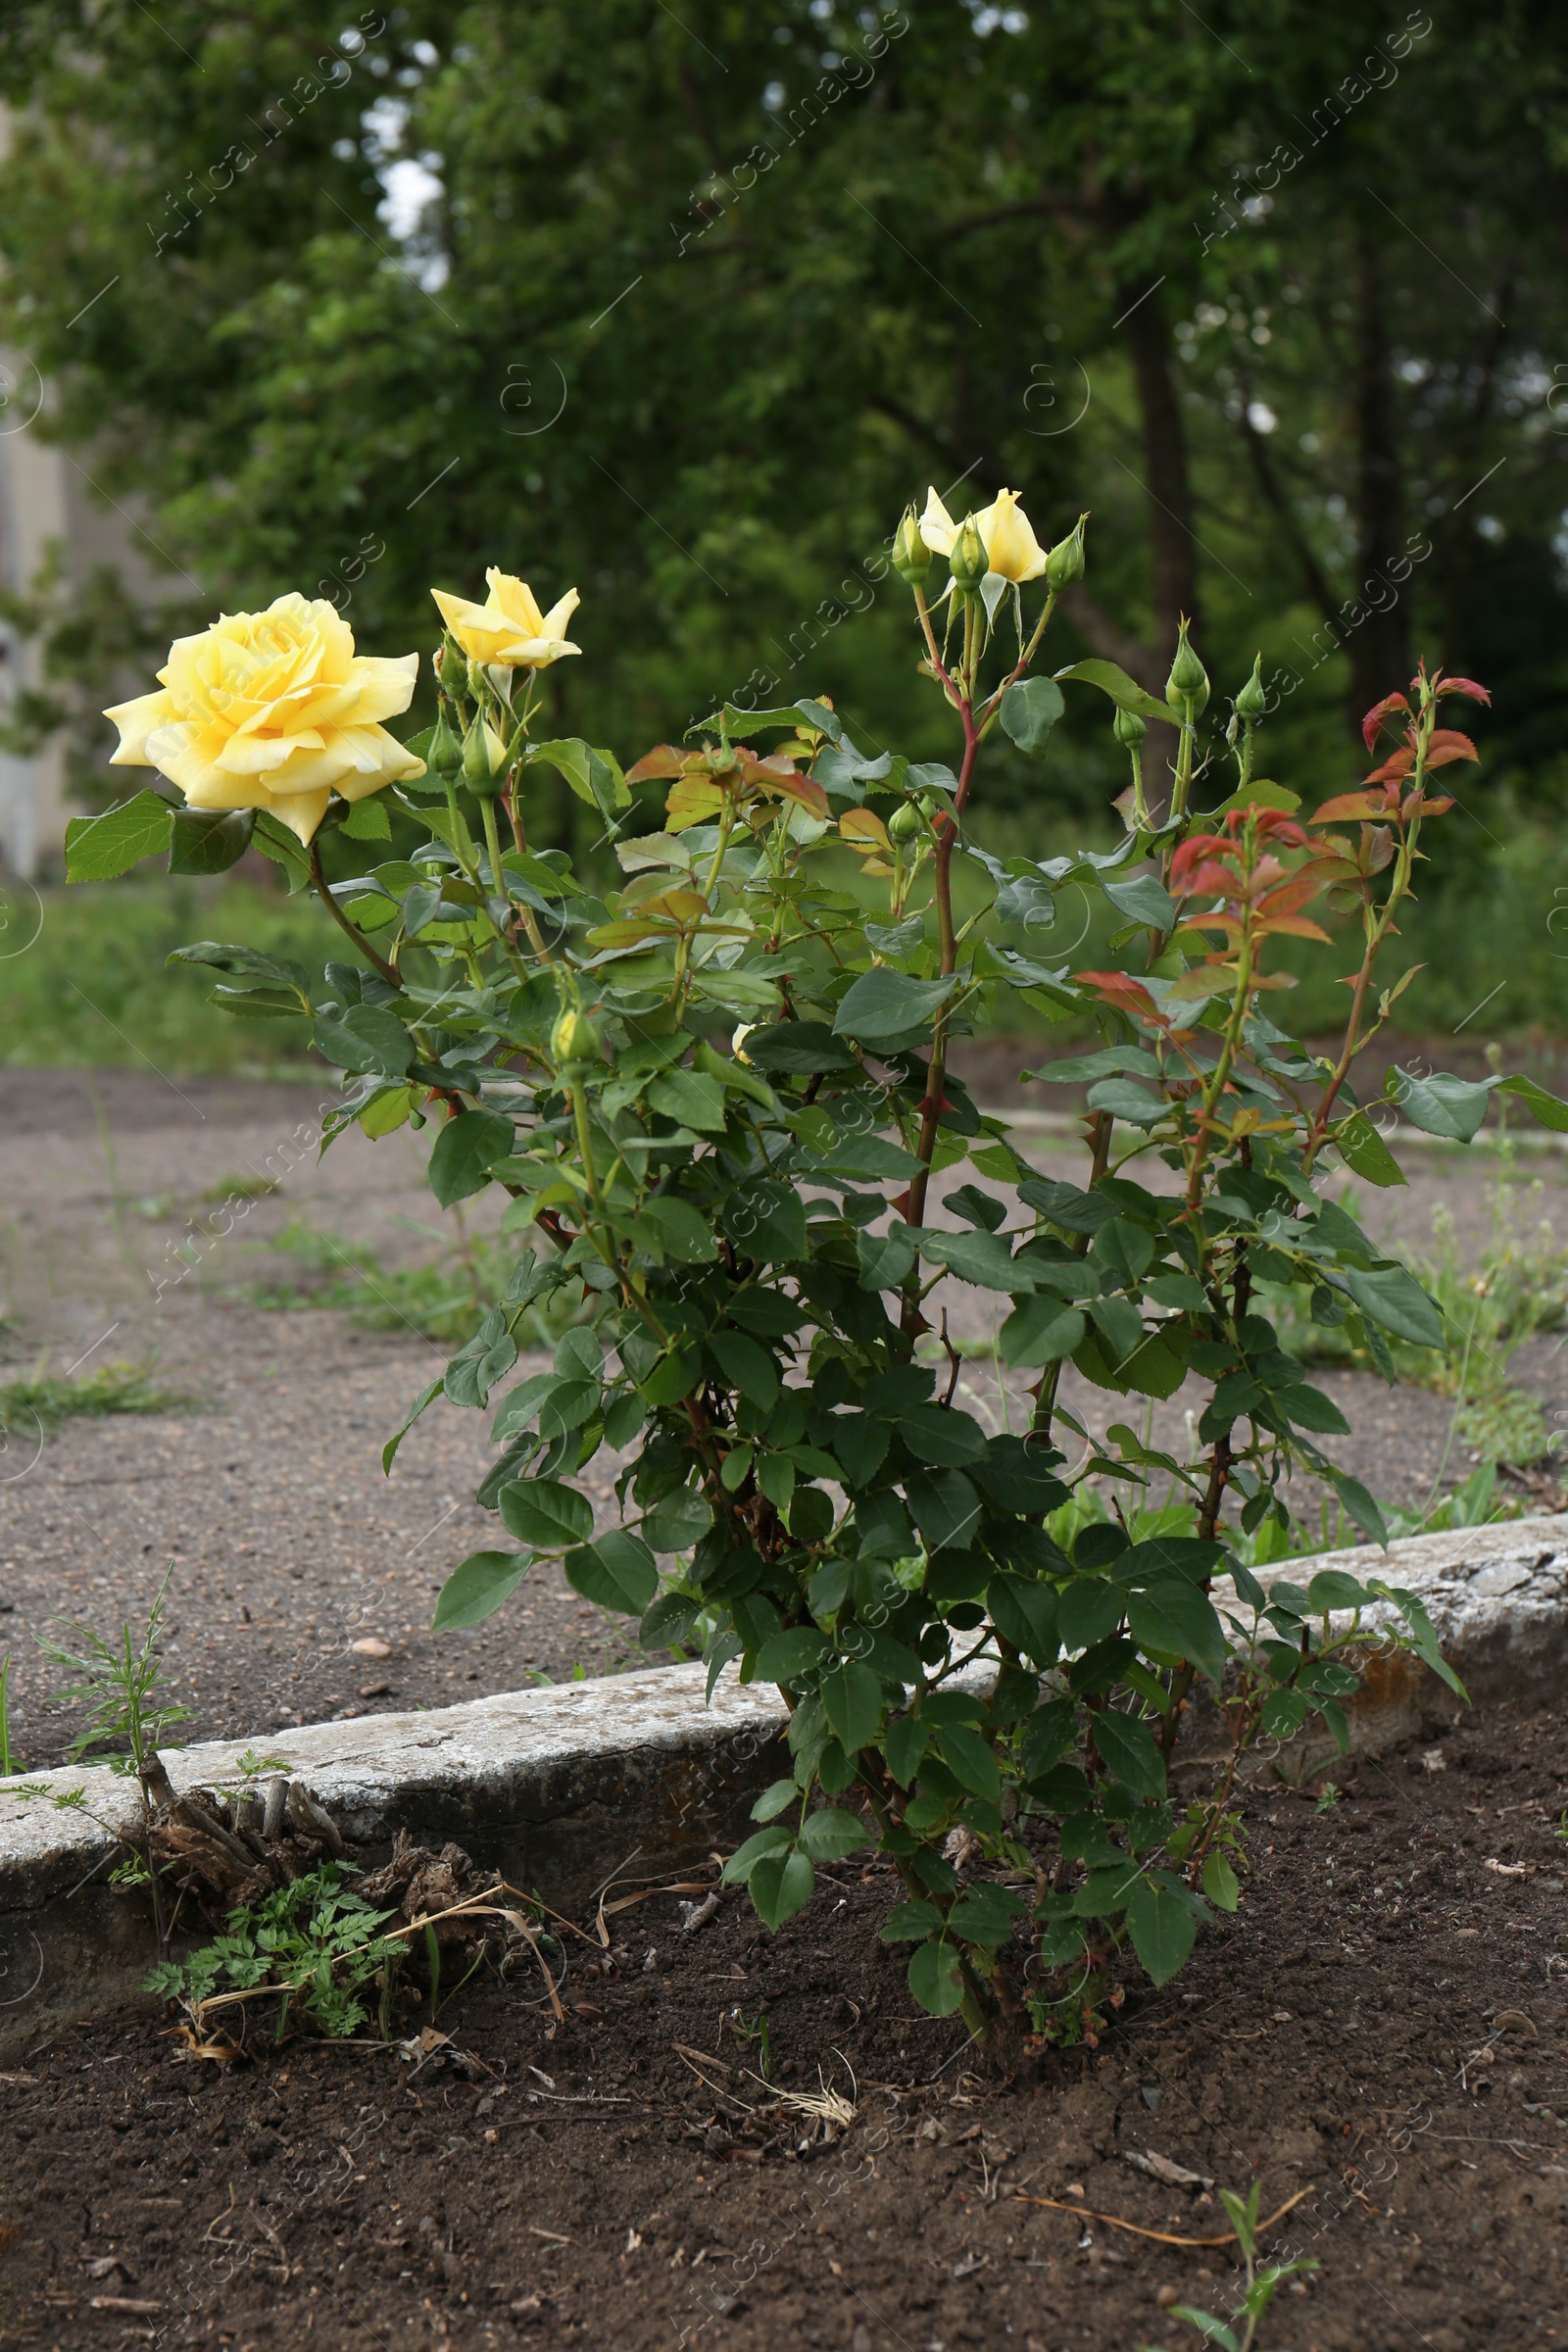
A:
(303, 1580)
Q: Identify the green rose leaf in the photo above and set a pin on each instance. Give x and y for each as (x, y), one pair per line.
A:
(465, 1150)
(884, 1004)
(852, 1698)
(1392, 1297)
(478, 1586)
(935, 1980)
(208, 841)
(781, 1885)
(1028, 712)
(1363, 1150)
(98, 847)
(540, 1512)
(678, 1520)
(619, 1572)
(1162, 1921)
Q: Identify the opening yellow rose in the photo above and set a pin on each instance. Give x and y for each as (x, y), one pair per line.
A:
(1012, 549)
(273, 711)
(509, 630)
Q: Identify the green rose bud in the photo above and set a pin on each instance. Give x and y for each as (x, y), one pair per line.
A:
(1252, 702)
(912, 557)
(905, 822)
(1188, 683)
(574, 1039)
(1129, 730)
(1065, 561)
(969, 562)
(446, 744)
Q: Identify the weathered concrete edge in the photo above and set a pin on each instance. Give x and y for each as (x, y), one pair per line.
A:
(637, 1773)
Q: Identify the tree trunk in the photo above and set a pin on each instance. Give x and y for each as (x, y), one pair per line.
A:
(1167, 485)
(1167, 480)
(1379, 643)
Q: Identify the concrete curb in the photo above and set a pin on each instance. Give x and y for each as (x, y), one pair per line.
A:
(561, 1788)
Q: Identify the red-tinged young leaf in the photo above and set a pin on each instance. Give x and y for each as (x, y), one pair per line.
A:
(1448, 745)
(1364, 805)
(1289, 896)
(1293, 926)
(665, 760)
(804, 789)
(1371, 726)
(1123, 990)
(863, 830)
(1476, 693)
(1396, 766)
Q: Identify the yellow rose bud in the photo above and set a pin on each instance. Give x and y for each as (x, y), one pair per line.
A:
(1011, 548)
(574, 1039)
(273, 711)
(737, 1044)
(509, 630)
(484, 756)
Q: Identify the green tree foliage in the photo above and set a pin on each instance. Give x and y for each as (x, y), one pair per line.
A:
(1274, 292)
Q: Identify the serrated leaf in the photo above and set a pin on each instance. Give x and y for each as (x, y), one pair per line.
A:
(1026, 1615)
(1392, 1297)
(1441, 1104)
(1220, 1884)
(208, 841)
(478, 1586)
(780, 1885)
(1130, 1753)
(852, 1698)
(1174, 1617)
(831, 1833)
(543, 1512)
(678, 1520)
(788, 1656)
(1364, 1151)
(747, 1366)
(1163, 1928)
(619, 1572)
(885, 1004)
(1124, 692)
(98, 847)
(465, 1150)
(935, 1979)
(1028, 712)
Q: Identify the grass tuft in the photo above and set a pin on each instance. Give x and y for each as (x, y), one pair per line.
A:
(47, 1401)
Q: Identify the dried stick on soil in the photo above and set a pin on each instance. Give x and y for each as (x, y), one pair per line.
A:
(1115, 2222)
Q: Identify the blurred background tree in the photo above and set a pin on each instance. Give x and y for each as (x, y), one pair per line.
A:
(683, 305)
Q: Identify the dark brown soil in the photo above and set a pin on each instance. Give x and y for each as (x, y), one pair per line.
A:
(1382, 2027)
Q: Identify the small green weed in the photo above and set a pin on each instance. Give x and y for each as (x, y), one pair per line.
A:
(1263, 2281)
(120, 1681)
(445, 1300)
(47, 1401)
(313, 1946)
(243, 1187)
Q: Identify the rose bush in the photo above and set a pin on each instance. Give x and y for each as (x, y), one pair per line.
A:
(717, 1100)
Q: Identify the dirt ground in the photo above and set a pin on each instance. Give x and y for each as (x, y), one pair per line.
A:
(289, 1547)
(1379, 2037)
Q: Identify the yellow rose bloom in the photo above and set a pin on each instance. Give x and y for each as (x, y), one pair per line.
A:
(509, 630)
(1012, 549)
(273, 711)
